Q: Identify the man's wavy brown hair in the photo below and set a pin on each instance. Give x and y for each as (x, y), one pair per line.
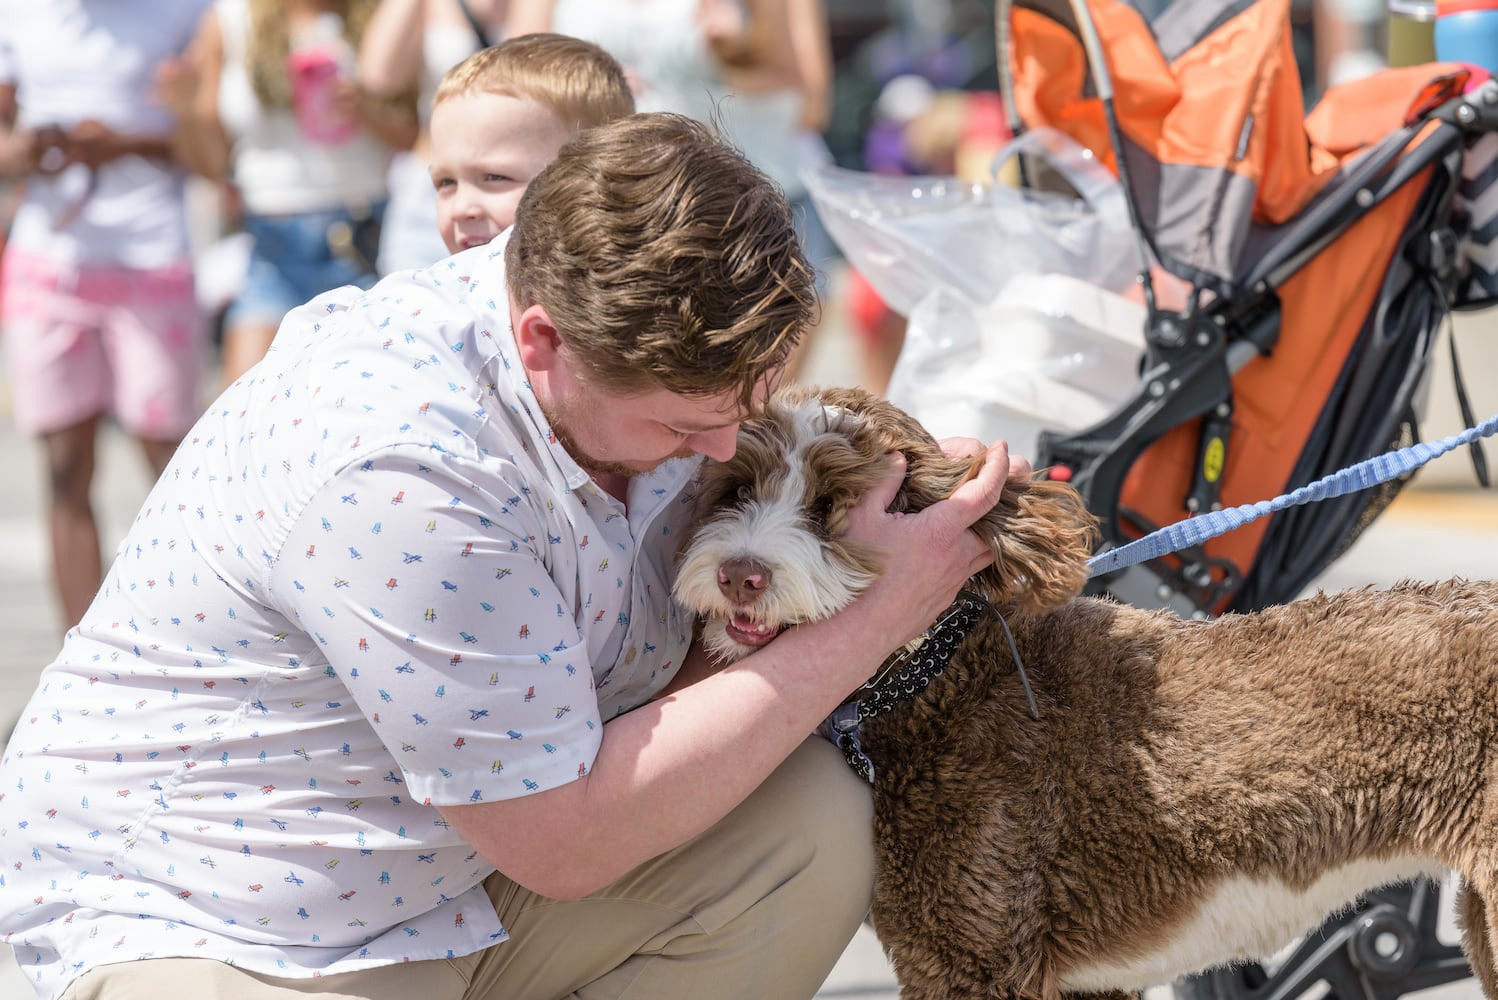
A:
(664, 258)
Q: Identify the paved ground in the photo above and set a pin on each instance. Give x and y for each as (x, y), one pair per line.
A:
(1443, 527)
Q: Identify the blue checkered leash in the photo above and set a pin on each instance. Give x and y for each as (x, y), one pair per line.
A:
(1370, 472)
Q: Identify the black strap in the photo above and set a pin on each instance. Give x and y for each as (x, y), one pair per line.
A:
(1464, 404)
(477, 26)
(907, 673)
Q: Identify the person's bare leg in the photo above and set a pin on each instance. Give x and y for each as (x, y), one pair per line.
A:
(244, 345)
(158, 453)
(882, 353)
(76, 562)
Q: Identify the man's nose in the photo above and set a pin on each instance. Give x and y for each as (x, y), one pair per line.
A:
(718, 444)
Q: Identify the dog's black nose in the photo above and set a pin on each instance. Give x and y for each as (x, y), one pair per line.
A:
(743, 580)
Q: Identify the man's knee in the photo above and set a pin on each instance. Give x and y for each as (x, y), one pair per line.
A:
(760, 905)
(825, 812)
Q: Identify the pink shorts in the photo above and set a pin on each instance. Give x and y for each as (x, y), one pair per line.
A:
(89, 340)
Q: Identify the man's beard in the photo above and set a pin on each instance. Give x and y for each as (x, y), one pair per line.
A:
(588, 462)
(558, 418)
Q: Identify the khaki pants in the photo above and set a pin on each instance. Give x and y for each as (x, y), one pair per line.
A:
(760, 907)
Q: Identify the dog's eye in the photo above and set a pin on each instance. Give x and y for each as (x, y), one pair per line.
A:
(745, 493)
(821, 510)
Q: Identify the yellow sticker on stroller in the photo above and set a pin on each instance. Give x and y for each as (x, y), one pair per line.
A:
(1212, 459)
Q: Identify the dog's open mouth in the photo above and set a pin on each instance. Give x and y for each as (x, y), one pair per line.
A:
(743, 629)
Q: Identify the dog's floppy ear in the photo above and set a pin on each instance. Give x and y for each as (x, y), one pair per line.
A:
(1042, 535)
(1041, 532)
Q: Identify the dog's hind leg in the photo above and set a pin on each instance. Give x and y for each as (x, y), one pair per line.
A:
(1478, 933)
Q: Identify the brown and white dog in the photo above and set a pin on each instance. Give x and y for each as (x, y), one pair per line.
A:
(1193, 793)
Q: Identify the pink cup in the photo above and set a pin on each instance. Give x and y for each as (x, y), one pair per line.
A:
(315, 74)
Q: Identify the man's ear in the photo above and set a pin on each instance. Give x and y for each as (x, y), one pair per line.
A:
(537, 338)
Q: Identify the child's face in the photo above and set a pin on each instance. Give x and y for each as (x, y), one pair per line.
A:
(485, 150)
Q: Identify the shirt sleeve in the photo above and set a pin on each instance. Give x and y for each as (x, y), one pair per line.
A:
(429, 599)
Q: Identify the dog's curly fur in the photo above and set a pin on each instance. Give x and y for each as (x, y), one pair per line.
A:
(1193, 793)
(785, 496)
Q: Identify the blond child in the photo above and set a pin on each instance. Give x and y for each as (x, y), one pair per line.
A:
(502, 114)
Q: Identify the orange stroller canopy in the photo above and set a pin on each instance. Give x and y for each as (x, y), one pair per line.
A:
(1209, 111)
(1320, 248)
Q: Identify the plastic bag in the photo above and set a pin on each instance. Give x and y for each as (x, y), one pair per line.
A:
(907, 235)
(1049, 353)
(1015, 321)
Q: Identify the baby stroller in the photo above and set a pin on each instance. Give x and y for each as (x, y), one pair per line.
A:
(1321, 255)
(1293, 274)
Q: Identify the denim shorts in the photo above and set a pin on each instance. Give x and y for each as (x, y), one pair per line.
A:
(293, 262)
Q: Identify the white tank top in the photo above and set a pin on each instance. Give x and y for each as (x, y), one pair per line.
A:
(443, 46)
(657, 40)
(661, 43)
(276, 170)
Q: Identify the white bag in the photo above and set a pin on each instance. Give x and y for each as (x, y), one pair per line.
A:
(1012, 296)
(1050, 352)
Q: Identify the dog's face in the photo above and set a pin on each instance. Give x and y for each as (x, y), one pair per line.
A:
(769, 549)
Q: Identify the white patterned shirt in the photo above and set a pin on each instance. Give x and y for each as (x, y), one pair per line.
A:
(369, 583)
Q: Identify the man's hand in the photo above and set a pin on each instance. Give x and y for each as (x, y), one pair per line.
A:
(966, 447)
(928, 555)
(94, 144)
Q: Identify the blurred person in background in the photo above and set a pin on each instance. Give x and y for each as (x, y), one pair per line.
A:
(919, 130)
(759, 69)
(97, 300)
(272, 97)
(412, 43)
(678, 52)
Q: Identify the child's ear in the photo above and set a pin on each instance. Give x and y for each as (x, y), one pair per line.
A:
(1042, 534)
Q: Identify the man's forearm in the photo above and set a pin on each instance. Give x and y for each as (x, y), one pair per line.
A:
(202, 148)
(672, 768)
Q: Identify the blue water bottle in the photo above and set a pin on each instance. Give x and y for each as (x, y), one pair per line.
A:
(1467, 32)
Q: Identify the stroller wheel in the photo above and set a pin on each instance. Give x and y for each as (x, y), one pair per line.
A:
(1384, 948)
